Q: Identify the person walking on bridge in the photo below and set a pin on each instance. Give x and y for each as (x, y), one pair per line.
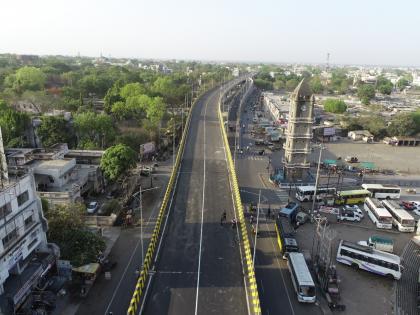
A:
(223, 218)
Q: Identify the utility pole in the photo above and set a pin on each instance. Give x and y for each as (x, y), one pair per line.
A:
(141, 223)
(173, 138)
(316, 181)
(256, 228)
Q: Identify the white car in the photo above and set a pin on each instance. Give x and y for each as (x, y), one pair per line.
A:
(355, 208)
(416, 204)
(348, 215)
(92, 207)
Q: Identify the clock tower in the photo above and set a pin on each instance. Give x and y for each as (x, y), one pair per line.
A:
(299, 133)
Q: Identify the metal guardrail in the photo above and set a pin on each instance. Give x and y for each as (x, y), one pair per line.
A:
(150, 254)
(250, 270)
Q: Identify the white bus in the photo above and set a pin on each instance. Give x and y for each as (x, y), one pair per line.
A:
(306, 193)
(369, 259)
(378, 214)
(401, 219)
(301, 278)
(383, 191)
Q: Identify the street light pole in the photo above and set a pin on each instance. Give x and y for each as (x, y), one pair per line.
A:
(316, 180)
(141, 224)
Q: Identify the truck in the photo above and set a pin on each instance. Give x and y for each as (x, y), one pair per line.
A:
(380, 243)
(286, 236)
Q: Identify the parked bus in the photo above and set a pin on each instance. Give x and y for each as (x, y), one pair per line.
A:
(369, 259)
(349, 197)
(380, 191)
(301, 277)
(286, 236)
(306, 193)
(378, 214)
(401, 219)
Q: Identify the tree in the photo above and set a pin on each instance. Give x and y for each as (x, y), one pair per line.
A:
(27, 78)
(155, 110)
(291, 84)
(316, 85)
(53, 129)
(93, 130)
(402, 83)
(365, 92)
(402, 125)
(279, 85)
(132, 89)
(13, 125)
(116, 160)
(335, 106)
(384, 85)
(263, 84)
(67, 230)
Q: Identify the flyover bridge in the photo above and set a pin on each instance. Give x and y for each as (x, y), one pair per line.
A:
(197, 265)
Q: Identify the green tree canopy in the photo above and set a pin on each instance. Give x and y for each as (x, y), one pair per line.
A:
(27, 78)
(316, 85)
(332, 105)
(384, 85)
(402, 125)
(13, 126)
(365, 92)
(263, 84)
(402, 83)
(94, 130)
(116, 160)
(132, 89)
(279, 84)
(67, 230)
(291, 84)
(53, 129)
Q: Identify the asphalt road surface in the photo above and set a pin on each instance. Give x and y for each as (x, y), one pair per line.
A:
(199, 269)
(275, 287)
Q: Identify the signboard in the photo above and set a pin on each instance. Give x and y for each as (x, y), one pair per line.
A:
(330, 131)
(147, 148)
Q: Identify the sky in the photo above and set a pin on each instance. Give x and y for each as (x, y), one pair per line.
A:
(353, 32)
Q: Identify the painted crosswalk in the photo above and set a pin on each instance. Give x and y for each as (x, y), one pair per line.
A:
(282, 195)
(252, 157)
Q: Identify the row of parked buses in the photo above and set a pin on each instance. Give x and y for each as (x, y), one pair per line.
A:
(379, 191)
(387, 213)
(303, 283)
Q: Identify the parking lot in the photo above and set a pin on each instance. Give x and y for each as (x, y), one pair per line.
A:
(403, 160)
(360, 290)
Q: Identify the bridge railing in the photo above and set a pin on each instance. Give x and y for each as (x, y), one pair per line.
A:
(249, 266)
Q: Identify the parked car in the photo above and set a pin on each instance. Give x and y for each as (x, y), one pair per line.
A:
(416, 204)
(351, 159)
(92, 207)
(408, 205)
(348, 215)
(355, 208)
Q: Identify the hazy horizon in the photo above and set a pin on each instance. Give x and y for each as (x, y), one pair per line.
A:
(360, 33)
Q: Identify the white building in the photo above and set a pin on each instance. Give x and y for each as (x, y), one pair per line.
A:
(416, 79)
(277, 106)
(25, 255)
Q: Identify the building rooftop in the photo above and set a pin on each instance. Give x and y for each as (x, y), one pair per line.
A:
(54, 164)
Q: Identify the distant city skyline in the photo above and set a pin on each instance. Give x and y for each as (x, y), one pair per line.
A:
(357, 33)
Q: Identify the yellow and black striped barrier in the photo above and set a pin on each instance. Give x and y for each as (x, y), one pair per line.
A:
(148, 260)
(250, 270)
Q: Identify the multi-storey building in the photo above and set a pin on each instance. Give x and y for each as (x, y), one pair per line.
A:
(299, 133)
(25, 255)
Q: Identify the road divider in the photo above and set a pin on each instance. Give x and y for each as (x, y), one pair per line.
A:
(249, 266)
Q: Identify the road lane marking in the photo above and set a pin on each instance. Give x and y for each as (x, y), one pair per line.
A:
(202, 205)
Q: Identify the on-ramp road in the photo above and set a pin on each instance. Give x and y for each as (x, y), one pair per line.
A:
(199, 269)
